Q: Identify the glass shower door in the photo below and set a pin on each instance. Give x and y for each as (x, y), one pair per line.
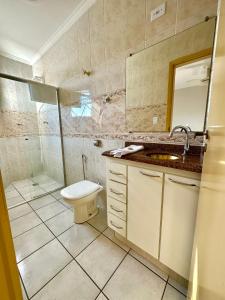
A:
(30, 141)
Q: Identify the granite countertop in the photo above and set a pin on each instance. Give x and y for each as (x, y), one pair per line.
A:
(190, 162)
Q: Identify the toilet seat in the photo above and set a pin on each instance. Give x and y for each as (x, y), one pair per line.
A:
(80, 190)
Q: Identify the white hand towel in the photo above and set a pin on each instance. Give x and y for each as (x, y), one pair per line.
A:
(127, 150)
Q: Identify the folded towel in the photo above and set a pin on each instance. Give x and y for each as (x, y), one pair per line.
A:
(127, 150)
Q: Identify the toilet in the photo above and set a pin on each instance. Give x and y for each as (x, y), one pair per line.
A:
(82, 197)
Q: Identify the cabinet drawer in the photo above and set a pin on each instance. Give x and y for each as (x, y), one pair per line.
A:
(117, 224)
(117, 208)
(117, 172)
(117, 191)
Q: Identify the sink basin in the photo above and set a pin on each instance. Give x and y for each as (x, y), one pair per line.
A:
(163, 156)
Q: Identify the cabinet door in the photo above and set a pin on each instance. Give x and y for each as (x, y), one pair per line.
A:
(178, 223)
(144, 208)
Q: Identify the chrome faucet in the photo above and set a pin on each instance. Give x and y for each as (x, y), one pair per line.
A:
(186, 130)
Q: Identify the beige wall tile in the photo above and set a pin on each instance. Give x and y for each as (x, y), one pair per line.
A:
(163, 27)
(192, 12)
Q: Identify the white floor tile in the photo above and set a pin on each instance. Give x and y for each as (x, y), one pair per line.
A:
(50, 210)
(100, 259)
(22, 183)
(19, 211)
(149, 264)
(28, 242)
(32, 195)
(70, 284)
(24, 223)
(65, 204)
(111, 235)
(51, 186)
(9, 188)
(37, 269)
(28, 189)
(57, 195)
(132, 280)
(172, 294)
(78, 237)
(42, 201)
(15, 201)
(61, 222)
(101, 297)
(100, 220)
(12, 194)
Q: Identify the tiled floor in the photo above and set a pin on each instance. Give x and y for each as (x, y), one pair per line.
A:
(26, 190)
(58, 259)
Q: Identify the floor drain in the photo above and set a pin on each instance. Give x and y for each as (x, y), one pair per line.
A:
(35, 184)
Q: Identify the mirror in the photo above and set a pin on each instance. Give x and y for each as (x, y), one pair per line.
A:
(162, 78)
(190, 93)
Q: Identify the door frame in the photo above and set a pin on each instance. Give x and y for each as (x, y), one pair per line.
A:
(10, 283)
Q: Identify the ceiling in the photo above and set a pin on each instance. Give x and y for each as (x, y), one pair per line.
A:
(29, 27)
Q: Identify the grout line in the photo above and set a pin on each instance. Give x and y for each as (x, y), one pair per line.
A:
(87, 274)
(74, 258)
(70, 255)
(20, 216)
(44, 204)
(52, 239)
(26, 231)
(51, 278)
(87, 246)
(164, 289)
(149, 268)
(21, 279)
(176, 289)
(126, 253)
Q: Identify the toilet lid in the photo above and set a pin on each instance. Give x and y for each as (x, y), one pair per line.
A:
(80, 189)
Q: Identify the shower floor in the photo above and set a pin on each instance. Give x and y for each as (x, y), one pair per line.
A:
(22, 191)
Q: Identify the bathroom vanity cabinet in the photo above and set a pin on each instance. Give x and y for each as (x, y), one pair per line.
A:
(154, 208)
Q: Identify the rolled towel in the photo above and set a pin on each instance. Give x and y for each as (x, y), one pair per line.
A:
(127, 150)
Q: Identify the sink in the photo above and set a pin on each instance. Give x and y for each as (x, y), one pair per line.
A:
(163, 156)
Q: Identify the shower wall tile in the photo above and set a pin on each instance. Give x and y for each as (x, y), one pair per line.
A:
(20, 158)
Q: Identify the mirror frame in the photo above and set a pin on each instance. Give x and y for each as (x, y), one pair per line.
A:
(172, 67)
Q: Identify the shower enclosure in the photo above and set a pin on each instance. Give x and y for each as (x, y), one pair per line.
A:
(31, 158)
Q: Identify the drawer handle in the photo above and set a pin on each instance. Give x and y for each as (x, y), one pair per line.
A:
(115, 173)
(117, 193)
(116, 209)
(150, 175)
(182, 183)
(118, 227)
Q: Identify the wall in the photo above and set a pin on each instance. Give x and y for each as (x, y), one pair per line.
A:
(190, 104)
(19, 140)
(100, 41)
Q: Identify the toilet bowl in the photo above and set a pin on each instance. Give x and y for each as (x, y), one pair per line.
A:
(82, 197)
